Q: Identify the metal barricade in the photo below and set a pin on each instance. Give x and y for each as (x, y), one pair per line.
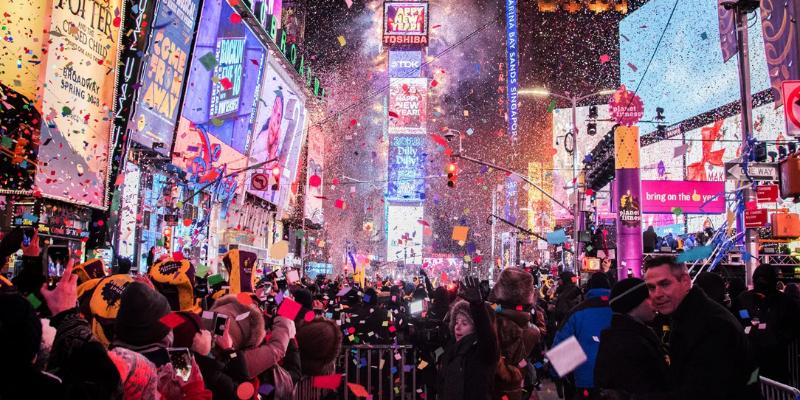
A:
(772, 390)
(387, 372)
(794, 363)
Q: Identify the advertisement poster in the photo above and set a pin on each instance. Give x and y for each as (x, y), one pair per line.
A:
(315, 175)
(20, 88)
(691, 197)
(405, 22)
(512, 61)
(278, 133)
(408, 102)
(406, 168)
(164, 68)
(404, 234)
(78, 102)
(404, 63)
(216, 120)
(627, 196)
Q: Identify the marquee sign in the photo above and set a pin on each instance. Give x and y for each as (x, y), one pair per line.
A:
(405, 23)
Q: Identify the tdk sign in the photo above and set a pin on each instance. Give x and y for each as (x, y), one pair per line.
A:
(404, 64)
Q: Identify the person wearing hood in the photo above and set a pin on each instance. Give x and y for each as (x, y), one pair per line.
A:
(586, 322)
(468, 364)
(631, 358)
(774, 322)
(568, 295)
(513, 296)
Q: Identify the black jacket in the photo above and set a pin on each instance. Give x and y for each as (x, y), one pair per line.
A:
(710, 356)
(631, 358)
(468, 366)
(649, 240)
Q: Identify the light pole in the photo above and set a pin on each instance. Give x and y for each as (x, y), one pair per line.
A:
(574, 100)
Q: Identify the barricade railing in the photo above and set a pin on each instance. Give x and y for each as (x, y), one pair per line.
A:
(385, 371)
(772, 390)
(794, 363)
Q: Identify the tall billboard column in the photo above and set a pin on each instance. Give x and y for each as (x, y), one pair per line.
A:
(627, 195)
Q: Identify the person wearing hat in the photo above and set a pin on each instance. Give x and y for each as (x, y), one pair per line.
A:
(568, 295)
(631, 358)
(586, 322)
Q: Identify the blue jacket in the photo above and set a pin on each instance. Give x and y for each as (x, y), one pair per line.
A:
(586, 322)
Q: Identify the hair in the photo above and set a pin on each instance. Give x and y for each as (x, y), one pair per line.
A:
(676, 267)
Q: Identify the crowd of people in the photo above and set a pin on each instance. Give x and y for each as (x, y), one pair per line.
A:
(169, 334)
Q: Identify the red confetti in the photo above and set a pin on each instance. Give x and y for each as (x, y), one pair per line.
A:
(187, 222)
(117, 22)
(434, 83)
(314, 181)
(226, 83)
(236, 18)
(172, 320)
(353, 122)
(244, 298)
(339, 203)
(327, 381)
(177, 256)
(358, 390)
(289, 308)
(233, 3)
(393, 114)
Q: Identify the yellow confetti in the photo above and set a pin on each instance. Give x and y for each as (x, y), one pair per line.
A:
(342, 41)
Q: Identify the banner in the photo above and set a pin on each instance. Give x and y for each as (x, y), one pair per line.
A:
(512, 59)
(78, 101)
(690, 197)
(278, 132)
(405, 23)
(779, 22)
(408, 102)
(404, 233)
(404, 63)
(21, 78)
(315, 175)
(627, 195)
(406, 168)
(161, 82)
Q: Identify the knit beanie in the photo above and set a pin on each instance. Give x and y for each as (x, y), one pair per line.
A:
(514, 286)
(598, 280)
(627, 294)
(460, 307)
(140, 310)
(247, 327)
(175, 280)
(319, 342)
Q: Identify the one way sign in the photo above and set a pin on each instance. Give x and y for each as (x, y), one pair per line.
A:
(756, 171)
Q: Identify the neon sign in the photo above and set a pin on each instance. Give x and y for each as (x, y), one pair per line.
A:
(405, 23)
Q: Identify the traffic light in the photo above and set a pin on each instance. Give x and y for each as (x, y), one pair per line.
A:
(759, 152)
(591, 129)
(276, 175)
(592, 112)
(452, 174)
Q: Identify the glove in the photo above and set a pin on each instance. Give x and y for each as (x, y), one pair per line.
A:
(470, 290)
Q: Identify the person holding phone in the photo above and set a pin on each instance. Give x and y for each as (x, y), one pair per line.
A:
(468, 364)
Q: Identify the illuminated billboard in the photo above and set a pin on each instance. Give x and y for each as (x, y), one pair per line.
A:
(315, 175)
(408, 102)
(405, 63)
(404, 234)
(78, 100)
(405, 23)
(278, 131)
(687, 76)
(406, 168)
(164, 66)
(218, 114)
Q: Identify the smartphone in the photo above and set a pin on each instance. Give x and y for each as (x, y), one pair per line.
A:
(57, 258)
(292, 276)
(219, 324)
(181, 360)
(416, 307)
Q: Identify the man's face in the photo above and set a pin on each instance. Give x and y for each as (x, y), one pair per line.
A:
(666, 290)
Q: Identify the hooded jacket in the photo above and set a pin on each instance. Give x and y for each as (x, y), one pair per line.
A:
(586, 323)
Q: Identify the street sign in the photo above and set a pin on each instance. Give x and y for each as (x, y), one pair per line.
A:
(791, 107)
(767, 193)
(757, 171)
(259, 181)
(755, 218)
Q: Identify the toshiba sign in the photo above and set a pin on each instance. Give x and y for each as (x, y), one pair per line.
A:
(405, 23)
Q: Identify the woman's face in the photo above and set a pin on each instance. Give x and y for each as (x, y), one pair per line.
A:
(275, 121)
(463, 327)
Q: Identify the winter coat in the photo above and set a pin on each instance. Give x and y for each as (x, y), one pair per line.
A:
(468, 366)
(710, 357)
(771, 344)
(567, 297)
(517, 337)
(586, 323)
(25, 382)
(631, 358)
(222, 375)
(649, 240)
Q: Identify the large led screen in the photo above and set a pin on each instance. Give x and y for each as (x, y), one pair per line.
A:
(164, 67)
(404, 234)
(687, 76)
(20, 89)
(78, 101)
(405, 22)
(278, 132)
(406, 168)
(219, 110)
(408, 102)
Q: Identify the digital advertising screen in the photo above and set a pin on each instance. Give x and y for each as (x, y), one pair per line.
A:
(408, 102)
(407, 158)
(278, 132)
(692, 197)
(217, 117)
(21, 75)
(164, 68)
(405, 22)
(405, 63)
(687, 76)
(404, 233)
(315, 175)
(77, 102)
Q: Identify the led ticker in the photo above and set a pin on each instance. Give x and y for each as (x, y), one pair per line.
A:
(405, 23)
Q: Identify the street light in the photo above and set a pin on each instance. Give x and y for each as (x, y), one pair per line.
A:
(574, 100)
